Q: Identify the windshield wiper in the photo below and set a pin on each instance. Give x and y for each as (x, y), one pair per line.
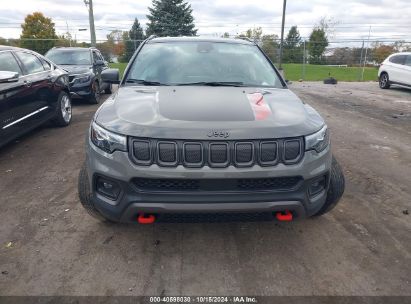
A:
(145, 82)
(214, 83)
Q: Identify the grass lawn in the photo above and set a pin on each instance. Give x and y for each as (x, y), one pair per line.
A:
(293, 71)
(120, 66)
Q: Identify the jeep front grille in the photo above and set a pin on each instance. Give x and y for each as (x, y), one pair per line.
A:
(215, 154)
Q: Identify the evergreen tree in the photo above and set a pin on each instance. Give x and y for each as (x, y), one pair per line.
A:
(170, 18)
(317, 45)
(132, 40)
(270, 46)
(292, 46)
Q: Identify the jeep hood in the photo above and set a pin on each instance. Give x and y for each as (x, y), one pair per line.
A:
(191, 112)
(76, 69)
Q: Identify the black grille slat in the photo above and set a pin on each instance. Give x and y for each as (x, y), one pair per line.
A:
(193, 153)
(216, 154)
(215, 185)
(291, 150)
(268, 152)
(167, 152)
(244, 153)
(142, 151)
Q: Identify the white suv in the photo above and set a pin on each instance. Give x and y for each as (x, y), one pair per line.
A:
(396, 69)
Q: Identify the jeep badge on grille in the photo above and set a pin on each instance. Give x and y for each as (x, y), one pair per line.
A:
(218, 133)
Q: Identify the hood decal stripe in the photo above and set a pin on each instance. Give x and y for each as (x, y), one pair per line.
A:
(260, 108)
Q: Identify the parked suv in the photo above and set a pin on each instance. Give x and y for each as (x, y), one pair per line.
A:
(396, 69)
(32, 91)
(84, 66)
(206, 129)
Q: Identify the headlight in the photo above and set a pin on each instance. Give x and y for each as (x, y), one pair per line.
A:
(82, 78)
(318, 141)
(106, 140)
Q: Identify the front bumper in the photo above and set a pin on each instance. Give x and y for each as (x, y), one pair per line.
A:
(118, 167)
(81, 90)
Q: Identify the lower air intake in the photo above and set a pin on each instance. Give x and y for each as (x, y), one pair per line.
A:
(215, 217)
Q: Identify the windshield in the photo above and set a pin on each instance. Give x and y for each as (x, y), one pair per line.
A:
(202, 63)
(69, 57)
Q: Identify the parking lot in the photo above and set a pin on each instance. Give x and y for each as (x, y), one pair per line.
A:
(51, 246)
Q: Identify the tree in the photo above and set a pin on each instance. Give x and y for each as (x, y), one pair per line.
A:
(255, 33)
(401, 46)
(318, 42)
(63, 40)
(132, 40)
(171, 18)
(226, 35)
(270, 46)
(381, 51)
(114, 46)
(292, 46)
(36, 30)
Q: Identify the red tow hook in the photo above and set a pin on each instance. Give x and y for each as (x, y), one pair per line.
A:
(285, 216)
(146, 218)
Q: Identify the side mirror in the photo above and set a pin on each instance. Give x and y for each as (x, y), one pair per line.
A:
(6, 76)
(99, 63)
(110, 76)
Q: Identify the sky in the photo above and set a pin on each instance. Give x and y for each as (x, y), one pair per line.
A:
(389, 20)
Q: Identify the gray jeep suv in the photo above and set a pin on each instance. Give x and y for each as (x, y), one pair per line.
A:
(206, 129)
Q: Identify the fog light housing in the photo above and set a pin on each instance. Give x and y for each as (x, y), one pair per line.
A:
(317, 186)
(107, 188)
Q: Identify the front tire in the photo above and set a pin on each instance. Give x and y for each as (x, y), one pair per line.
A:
(64, 110)
(84, 194)
(335, 190)
(95, 93)
(384, 81)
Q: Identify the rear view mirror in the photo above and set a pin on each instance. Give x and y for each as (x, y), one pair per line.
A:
(111, 76)
(6, 76)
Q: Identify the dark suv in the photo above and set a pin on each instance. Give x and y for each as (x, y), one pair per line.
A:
(32, 91)
(206, 129)
(84, 66)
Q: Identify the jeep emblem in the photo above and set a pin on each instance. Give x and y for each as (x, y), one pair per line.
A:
(218, 133)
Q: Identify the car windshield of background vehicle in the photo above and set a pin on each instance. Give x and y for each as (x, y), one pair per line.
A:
(202, 63)
(69, 57)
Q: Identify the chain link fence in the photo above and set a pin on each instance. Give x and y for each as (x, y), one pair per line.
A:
(303, 60)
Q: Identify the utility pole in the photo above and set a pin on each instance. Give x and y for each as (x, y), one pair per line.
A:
(89, 5)
(366, 53)
(282, 34)
(68, 33)
(304, 51)
(362, 53)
